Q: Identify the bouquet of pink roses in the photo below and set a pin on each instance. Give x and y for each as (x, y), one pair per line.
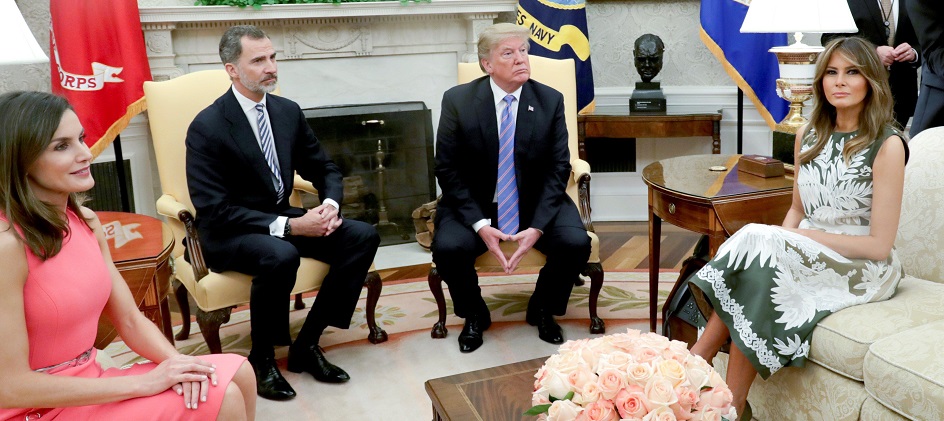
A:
(629, 376)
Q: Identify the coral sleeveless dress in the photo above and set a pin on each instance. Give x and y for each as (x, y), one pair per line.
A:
(63, 298)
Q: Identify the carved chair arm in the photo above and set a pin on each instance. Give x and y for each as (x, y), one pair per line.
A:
(168, 206)
(580, 170)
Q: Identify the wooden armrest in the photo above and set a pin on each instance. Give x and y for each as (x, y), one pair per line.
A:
(581, 174)
(579, 167)
(168, 206)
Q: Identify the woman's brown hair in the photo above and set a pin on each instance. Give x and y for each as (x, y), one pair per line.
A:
(28, 121)
(877, 112)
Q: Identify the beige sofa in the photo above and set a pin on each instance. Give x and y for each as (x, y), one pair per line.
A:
(880, 361)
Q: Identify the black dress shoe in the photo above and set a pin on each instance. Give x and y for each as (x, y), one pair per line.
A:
(471, 337)
(548, 330)
(312, 360)
(269, 381)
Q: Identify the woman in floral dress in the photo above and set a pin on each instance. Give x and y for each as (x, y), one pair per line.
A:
(769, 286)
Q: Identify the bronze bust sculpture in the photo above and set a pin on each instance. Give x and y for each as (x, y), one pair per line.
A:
(648, 51)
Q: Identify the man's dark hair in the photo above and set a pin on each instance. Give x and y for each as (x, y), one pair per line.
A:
(231, 46)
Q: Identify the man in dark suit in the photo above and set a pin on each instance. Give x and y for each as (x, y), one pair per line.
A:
(502, 163)
(887, 24)
(928, 16)
(242, 152)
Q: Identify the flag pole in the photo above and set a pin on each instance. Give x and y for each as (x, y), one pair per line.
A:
(122, 179)
(740, 126)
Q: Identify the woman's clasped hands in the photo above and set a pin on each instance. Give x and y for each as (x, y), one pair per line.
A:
(186, 375)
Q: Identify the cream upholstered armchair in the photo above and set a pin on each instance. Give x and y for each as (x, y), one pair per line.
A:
(560, 75)
(172, 106)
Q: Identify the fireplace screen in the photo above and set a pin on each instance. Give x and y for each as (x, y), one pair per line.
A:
(385, 152)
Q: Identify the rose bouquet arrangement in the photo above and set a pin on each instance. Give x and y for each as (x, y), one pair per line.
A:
(629, 376)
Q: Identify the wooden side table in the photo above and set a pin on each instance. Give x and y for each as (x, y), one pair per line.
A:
(625, 126)
(500, 393)
(684, 192)
(140, 247)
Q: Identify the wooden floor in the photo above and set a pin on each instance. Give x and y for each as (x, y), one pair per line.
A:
(623, 246)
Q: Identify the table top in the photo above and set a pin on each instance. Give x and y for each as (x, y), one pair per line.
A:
(132, 236)
(493, 394)
(691, 176)
(670, 115)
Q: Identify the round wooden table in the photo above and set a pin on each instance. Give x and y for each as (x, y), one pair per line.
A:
(140, 247)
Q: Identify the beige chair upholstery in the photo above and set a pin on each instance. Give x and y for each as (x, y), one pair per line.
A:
(560, 75)
(172, 105)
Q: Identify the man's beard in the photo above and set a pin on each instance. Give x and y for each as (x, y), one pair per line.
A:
(257, 87)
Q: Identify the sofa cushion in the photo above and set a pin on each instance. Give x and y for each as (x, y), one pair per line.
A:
(920, 240)
(872, 410)
(905, 372)
(841, 340)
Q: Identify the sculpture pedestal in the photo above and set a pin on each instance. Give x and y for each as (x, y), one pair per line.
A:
(647, 98)
(783, 143)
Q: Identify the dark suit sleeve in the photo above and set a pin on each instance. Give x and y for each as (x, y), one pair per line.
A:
(312, 162)
(554, 193)
(207, 184)
(927, 19)
(448, 160)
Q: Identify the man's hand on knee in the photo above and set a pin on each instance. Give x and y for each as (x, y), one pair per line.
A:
(311, 224)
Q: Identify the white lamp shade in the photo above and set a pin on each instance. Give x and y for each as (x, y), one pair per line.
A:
(19, 46)
(788, 16)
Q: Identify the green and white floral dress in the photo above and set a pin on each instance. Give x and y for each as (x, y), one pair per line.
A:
(771, 286)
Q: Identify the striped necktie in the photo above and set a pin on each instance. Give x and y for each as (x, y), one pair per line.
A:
(507, 195)
(267, 143)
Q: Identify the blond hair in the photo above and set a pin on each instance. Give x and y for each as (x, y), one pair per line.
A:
(877, 111)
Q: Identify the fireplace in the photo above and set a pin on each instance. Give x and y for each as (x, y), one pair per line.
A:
(385, 152)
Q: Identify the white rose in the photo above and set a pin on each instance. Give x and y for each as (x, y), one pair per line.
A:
(616, 360)
(556, 384)
(563, 410)
(662, 413)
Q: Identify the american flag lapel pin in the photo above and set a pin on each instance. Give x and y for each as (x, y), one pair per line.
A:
(530, 108)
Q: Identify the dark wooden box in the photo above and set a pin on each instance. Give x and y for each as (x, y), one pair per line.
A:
(761, 166)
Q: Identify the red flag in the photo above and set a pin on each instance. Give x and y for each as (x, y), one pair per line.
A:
(99, 64)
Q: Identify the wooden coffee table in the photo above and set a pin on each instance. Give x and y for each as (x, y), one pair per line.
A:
(684, 192)
(492, 394)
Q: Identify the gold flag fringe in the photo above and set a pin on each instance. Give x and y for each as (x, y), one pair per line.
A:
(133, 109)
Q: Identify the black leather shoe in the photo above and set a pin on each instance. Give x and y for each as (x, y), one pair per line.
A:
(313, 361)
(548, 330)
(471, 337)
(269, 381)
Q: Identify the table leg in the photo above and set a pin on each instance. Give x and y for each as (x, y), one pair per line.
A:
(165, 320)
(655, 237)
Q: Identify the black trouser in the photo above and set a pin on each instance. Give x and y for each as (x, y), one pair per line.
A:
(565, 243)
(273, 263)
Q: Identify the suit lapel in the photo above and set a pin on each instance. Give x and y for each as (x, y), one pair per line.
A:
(525, 121)
(484, 106)
(282, 132)
(240, 133)
(877, 15)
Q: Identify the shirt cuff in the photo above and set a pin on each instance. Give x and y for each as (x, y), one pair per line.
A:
(331, 202)
(481, 223)
(916, 56)
(277, 227)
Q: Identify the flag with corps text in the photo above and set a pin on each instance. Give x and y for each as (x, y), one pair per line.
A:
(98, 61)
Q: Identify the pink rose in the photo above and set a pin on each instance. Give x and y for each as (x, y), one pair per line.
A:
(708, 414)
(563, 410)
(581, 376)
(686, 398)
(645, 354)
(630, 405)
(610, 383)
(718, 398)
(539, 399)
(603, 410)
(660, 392)
(589, 394)
(623, 341)
(617, 360)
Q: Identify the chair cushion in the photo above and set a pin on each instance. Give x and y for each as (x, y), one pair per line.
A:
(872, 410)
(227, 289)
(905, 372)
(533, 259)
(841, 340)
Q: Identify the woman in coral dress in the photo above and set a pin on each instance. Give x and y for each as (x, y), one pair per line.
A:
(57, 278)
(770, 285)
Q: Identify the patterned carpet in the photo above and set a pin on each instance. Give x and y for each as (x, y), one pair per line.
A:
(407, 306)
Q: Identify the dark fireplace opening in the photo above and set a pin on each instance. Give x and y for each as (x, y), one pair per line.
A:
(385, 152)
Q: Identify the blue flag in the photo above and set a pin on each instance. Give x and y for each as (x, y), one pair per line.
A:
(744, 56)
(559, 30)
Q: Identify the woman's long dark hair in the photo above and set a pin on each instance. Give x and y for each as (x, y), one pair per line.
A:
(28, 121)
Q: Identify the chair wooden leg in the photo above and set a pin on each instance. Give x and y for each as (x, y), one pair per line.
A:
(183, 303)
(210, 323)
(299, 304)
(595, 272)
(374, 286)
(435, 286)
